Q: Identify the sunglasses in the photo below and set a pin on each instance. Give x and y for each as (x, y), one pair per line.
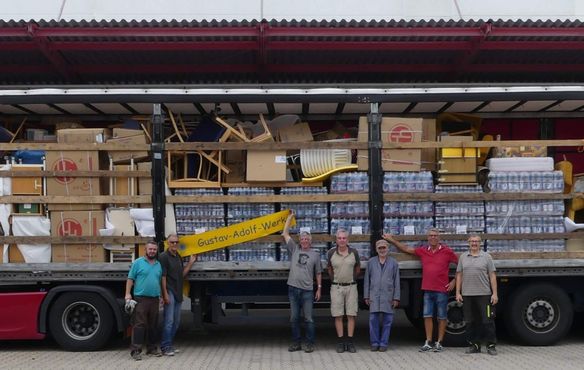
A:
(173, 241)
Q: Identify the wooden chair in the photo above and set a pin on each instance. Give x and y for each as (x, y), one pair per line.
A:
(201, 168)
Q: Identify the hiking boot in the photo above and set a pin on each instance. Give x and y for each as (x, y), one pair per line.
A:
(382, 349)
(309, 348)
(294, 347)
(492, 350)
(136, 355)
(426, 347)
(340, 347)
(351, 347)
(473, 348)
(438, 347)
(374, 348)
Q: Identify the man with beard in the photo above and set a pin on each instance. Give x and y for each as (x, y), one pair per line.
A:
(305, 266)
(145, 276)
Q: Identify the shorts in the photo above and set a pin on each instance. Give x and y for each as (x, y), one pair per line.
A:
(344, 300)
(436, 301)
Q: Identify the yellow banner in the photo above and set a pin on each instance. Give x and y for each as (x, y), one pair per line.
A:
(234, 234)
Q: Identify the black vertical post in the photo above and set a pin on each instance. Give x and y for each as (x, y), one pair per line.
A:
(375, 175)
(158, 181)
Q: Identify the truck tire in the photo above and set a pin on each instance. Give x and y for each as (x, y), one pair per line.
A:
(539, 314)
(456, 326)
(80, 321)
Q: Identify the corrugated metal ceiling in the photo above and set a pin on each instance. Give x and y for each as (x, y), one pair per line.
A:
(284, 52)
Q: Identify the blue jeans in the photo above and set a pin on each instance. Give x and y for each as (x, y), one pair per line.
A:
(301, 300)
(379, 328)
(438, 301)
(171, 322)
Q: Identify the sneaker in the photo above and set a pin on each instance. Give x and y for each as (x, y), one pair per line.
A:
(351, 347)
(438, 347)
(340, 347)
(492, 350)
(294, 347)
(176, 350)
(426, 347)
(168, 352)
(374, 348)
(473, 348)
(382, 349)
(154, 353)
(136, 355)
(309, 348)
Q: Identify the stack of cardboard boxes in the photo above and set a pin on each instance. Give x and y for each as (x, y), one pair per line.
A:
(77, 219)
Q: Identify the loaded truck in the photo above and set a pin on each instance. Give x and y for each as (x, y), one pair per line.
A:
(76, 297)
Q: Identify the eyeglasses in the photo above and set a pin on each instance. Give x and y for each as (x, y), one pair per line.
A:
(381, 247)
(173, 241)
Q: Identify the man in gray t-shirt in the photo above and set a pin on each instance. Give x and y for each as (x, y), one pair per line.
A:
(305, 266)
(476, 286)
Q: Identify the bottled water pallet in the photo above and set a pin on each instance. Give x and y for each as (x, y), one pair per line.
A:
(408, 209)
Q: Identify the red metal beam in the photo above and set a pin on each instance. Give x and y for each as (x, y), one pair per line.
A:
(54, 57)
(148, 32)
(156, 45)
(295, 45)
(299, 68)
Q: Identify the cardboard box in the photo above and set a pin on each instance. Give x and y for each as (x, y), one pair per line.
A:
(521, 151)
(266, 165)
(457, 164)
(82, 135)
(78, 253)
(77, 223)
(28, 208)
(394, 130)
(123, 226)
(27, 185)
(14, 255)
(145, 183)
(127, 137)
(299, 133)
(124, 185)
(236, 173)
(73, 161)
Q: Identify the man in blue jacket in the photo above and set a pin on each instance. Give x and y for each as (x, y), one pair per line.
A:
(382, 294)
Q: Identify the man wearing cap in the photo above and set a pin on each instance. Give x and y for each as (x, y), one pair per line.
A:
(144, 277)
(476, 286)
(344, 267)
(173, 273)
(305, 266)
(382, 294)
(436, 259)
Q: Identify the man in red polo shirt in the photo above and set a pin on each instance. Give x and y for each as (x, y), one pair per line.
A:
(436, 259)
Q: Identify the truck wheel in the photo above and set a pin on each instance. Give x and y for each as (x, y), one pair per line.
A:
(539, 314)
(456, 326)
(80, 321)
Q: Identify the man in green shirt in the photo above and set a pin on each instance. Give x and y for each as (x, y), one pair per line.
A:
(144, 277)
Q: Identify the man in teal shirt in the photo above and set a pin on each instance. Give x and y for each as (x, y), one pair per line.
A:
(145, 276)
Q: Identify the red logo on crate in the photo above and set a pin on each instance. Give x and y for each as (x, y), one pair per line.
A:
(64, 164)
(401, 134)
(70, 226)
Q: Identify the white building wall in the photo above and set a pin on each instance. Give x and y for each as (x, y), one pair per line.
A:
(290, 9)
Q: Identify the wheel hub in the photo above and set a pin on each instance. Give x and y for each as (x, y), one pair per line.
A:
(80, 320)
(455, 317)
(540, 314)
